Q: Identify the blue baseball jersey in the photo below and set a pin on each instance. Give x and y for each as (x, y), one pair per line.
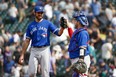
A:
(79, 38)
(39, 32)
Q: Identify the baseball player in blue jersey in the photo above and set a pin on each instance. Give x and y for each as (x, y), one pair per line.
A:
(78, 47)
(39, 32)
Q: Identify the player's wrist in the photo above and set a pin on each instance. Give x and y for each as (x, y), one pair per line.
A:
(82, 53)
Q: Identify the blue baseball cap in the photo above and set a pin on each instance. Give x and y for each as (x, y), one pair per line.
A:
(39, 9)
(80, 16)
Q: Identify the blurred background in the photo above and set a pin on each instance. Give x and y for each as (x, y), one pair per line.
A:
(15, 15)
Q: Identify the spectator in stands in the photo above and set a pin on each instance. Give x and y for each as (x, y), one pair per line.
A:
(3, 5)
(103, 69)
(16, 37)
(112, 6)
(8, 65)
(58, 50)
(110, 32)
(92, 52)
(85, 7)
(76, 4)
(67, 64)
(62, 4)
(69, 8)
(53, 64)
(92, 19)
(112, 67)
(107, 50)
(96, 7)
(13, 13)
(108, 12)
(8, 62)
(5, 36)
(48, 9)
(95, 37)
(32, 2)
(63, 14)
(61, 69)
(93, 71)
(21, 7)
(16, 54)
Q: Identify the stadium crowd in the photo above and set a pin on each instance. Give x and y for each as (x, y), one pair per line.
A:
(102, 29)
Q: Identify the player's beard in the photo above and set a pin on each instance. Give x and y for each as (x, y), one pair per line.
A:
(38, 18)
(76, 25)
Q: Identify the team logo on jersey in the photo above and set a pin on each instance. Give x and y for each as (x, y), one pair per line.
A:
(44, 35)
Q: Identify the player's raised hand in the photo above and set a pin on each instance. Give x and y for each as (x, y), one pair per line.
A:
(21, 59)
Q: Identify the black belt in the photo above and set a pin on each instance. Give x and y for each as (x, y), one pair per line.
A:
(39, 46)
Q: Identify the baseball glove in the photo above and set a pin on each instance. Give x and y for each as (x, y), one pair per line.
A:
(63, 22)
(79, 67)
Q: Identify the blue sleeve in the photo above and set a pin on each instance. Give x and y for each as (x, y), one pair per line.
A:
(28, 33)
(54, 29)
(83, 39)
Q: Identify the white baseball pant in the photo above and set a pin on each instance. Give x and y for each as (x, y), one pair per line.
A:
(41, 55)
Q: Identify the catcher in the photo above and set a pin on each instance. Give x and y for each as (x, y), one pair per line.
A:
(78, 47)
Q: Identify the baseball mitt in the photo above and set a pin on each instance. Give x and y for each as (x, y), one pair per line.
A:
(79, 67)
(63, 22)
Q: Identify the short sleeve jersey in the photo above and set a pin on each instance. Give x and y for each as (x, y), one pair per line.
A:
(79, 38)
(39, 32)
